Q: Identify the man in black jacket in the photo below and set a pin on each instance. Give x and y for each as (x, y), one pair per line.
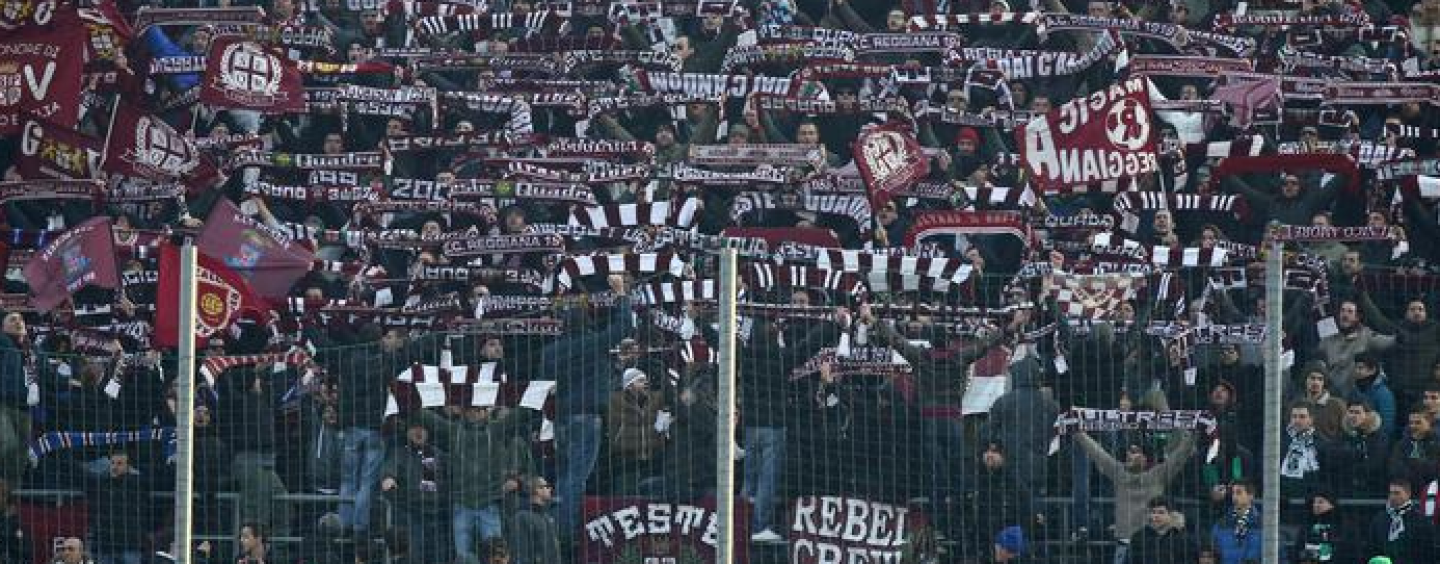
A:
(1400, 530)
(414, 480)
(1163, 540)
(534, 536)
(118, 509)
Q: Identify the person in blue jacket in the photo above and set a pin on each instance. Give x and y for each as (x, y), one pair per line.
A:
(1237, 535)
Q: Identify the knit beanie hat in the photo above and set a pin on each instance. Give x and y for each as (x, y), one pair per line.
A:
(631, 376)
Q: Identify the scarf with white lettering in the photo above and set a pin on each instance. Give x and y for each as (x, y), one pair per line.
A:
(853, 206)
(1093, 420)
(756, 154)
(1301, 458)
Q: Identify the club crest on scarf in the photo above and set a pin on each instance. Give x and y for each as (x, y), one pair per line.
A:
(158, 151)
(1104, 136)
(247, 68)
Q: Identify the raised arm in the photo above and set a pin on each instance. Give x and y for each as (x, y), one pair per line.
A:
(1376, 318)
(1107, 464)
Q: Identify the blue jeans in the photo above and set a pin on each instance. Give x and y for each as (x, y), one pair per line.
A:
(429, 537)
(578, 437)
(360, 461)
(465, 522)
(764, 460)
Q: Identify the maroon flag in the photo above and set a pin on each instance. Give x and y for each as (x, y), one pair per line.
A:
(42, 60)
(51, 150)
(240, 73)
(267, 259)
(1108, 135)
(221, 297)
(79, 257)
(144, 146)
(889, 159)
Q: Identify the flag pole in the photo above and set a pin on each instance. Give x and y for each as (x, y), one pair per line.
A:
(185, 409)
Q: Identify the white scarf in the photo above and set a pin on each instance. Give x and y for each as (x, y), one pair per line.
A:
(1300, 458)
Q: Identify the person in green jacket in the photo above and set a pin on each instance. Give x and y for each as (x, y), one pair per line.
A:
(481, 437)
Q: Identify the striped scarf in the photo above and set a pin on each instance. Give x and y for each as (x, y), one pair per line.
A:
(58, 440)
(854, 206)
(672, 214)
(572, 268)
(488, 24)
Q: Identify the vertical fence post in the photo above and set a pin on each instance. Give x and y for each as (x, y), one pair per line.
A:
(1274, 388)
(185, 409)
(725, 410)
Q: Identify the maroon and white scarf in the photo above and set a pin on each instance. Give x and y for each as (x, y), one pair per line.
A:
(674, 214)
(362, 161)
(1169, 33)
(853, 206)
(770, 275)
(787, 55)
(572, 268)
(332, 194)
(1380, 93)
(212, 367)
(1291, 59)
(504, 245)
(597, 148)
(946, 22)
(1186, 65)
(486, 24)
(674, 292)
(1330, 233)
(815, 106)
(1092, 297)
(464, 273)
(430, 190)
(856, 361)
(1226, 22)
(570, 60)
(51, 190)
(756, 154)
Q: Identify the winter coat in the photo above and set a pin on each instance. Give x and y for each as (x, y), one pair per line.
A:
(1339, 352)
(419, 478)
(1417, 459)
(1417, 347)
(116, 507)
(365, 375)
(631, 424)
(767, 394)
(582, 366)
(1328, 536)
(941, 377)
(1171, 545)
(1023, 419)
(1232, 549)
(1377, 390)
(12, 373)
(1416, 545)
(998, 499)
(486, 448)
(1364, 453)
(1134, 490)
(534, 536)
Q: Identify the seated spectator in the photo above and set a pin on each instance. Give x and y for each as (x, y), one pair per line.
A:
(1400, 531)
(1364, 452)
(1370, 383)
(1326, 536)
(1163, 540)
(1237, 537)
(1416, 456)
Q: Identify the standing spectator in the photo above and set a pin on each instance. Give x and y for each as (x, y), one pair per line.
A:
(414, 477)
(14, 393)
(1400, 531)
(585, 374)
(1364, 451)
(635, 440)
(1430, 402)
(1326, 537)
(118, 505)
(1137, 481)
(1416, 456)
(1237, 537)
(774, 349)
(480, 438)
(998, 498)
(361, 410)
(247, 412)
(1304, 461)
(1341, 351)
(1417, 346)
(14, 544)
(1326, 410)
(1163, 540)
(1370, 383)
(1023, 421)
(534, 536)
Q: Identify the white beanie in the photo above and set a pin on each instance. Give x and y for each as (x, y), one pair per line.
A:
(631, 376)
